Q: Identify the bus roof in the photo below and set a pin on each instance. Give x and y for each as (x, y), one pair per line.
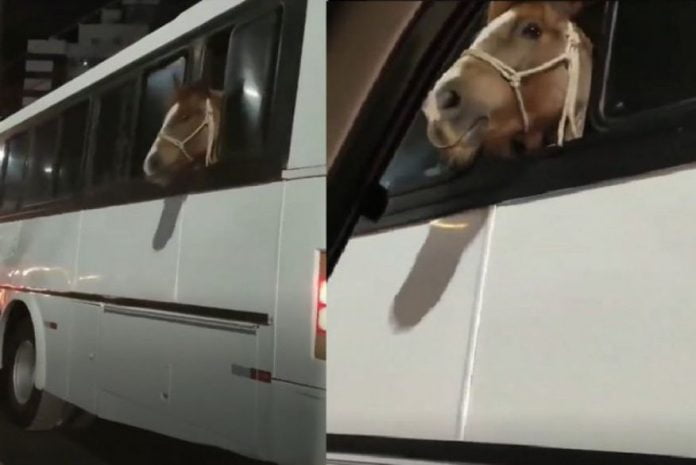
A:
(190, 19)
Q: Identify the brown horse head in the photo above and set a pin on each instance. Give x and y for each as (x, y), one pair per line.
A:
(474, 105)
(188, 135)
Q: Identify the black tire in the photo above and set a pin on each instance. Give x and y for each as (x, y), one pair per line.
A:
(39, 410)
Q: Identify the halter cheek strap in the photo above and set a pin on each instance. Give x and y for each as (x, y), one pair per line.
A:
(571, 56)
(209, 121)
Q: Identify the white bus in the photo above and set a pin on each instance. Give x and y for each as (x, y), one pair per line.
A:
(192, 310)
(543, 302)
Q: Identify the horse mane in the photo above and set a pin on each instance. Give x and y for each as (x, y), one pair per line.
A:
(198, 89)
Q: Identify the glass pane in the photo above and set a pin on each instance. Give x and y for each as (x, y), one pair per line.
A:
(216, 58)
(651, 62)
(160, 86)
(416, 163)
(251, 67)
(41, 165)
(113, 133)
(71, 149)
(17, 151)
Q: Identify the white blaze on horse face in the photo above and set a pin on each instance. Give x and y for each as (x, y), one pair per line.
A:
(153, 150)
(493, 27)
(430, 108)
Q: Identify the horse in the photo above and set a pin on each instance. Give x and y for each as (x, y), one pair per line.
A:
(527, 72)
(188, 136)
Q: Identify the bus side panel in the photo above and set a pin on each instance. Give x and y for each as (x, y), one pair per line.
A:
(402, 303)
(303, 235)
(189, 381)
(40, 253)
(129, 251)
(229, 248)
(587, 330)
(71, 332)
(298, 424)
(83, 352)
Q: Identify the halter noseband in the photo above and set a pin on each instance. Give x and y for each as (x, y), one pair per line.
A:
(209, 121)
(570, 56)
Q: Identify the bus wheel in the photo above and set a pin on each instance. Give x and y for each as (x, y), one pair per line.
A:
(29, 407)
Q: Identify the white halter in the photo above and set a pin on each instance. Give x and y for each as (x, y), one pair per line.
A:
(571, 56)
(209, 121)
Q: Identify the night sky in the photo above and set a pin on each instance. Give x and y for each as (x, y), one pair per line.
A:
(35, 19)
(24, 19)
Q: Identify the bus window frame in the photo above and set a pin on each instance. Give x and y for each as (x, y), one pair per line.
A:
(289, 48)
(58, 121)
(664, 115)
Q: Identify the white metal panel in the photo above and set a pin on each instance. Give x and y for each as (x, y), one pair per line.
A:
(43, 256)
(308, 144)
(117, 256)
(83, 349)
(183, 374)
(10, 252)
(299, 425)
(303, 235)
(229, 248)
(400, 318)
(588, 323)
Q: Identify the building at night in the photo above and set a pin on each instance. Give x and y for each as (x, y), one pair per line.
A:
(51, 62)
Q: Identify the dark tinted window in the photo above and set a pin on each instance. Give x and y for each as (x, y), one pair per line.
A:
(217, 50)
(71, 149)
(416, 163)
(251, 68)
(41, 165)
(652, 57)
(113, 137)
(160, 86)
(17, 151)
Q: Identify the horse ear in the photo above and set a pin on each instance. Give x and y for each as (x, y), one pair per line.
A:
(201, 86)
(568, 9)
(497, 8)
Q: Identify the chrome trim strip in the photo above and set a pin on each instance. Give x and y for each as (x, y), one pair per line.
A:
(190, 320)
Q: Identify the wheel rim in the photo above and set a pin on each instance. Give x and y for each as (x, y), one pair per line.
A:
(23, 372)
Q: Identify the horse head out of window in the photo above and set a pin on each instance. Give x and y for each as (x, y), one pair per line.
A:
(189, 134)
(525, 77)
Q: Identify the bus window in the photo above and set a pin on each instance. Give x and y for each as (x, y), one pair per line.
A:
(666, 77)
(41, 164)
(17, 150)
(249, 76)
(113, 135)
(160, 85)
(71, 149)
(216, 58)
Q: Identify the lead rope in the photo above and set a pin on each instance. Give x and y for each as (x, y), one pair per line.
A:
(210, 153)
(514, 78)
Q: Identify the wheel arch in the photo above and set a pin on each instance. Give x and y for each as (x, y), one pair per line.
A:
(16, 310)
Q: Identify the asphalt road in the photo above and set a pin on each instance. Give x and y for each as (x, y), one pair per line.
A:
(104, 443)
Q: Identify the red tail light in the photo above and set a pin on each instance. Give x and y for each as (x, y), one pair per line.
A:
(320, 317)
(321, 307)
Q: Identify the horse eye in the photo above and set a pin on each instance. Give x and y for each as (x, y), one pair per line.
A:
(532, 30)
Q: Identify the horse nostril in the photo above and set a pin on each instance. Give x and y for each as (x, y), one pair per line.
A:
(449, 99)
(154, 163)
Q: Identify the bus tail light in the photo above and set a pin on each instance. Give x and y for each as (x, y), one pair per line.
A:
(320, 317)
